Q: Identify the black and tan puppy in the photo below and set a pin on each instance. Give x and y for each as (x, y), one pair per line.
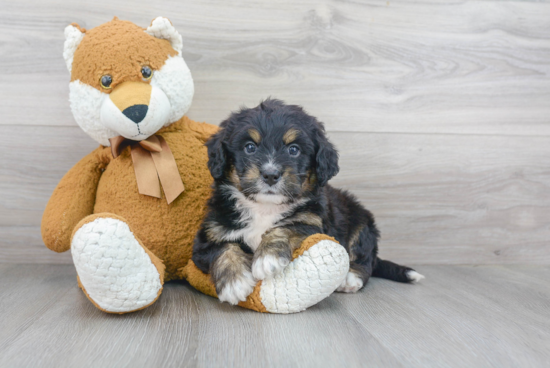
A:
(271, 165)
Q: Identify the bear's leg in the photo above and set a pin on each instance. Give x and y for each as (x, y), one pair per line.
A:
(318, 267)
(115, 271)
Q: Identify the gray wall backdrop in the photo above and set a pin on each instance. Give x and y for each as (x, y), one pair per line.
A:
(440, 109)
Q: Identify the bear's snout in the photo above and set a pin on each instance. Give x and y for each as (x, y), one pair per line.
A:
(128, 95)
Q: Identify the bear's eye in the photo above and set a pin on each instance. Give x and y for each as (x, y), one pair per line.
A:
(250, 148)
(106, 81)
(146, 72)
(294, 150)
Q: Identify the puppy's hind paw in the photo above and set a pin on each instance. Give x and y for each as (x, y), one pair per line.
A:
(414, 276)
(351, 284)
(268, 266)
(238, 289)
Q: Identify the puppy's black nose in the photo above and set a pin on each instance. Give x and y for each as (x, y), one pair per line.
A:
(136, 113)
(271, 176)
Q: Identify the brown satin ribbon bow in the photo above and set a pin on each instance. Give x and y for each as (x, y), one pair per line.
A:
(152, 160)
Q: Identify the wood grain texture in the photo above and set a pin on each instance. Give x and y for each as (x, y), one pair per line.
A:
(459, 316)
(383, 66)
(439, 108)
(24, 244)
(469, 317)
(34, 159)
(453, 199)
(28, 291)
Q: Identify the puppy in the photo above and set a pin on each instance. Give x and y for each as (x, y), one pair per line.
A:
(271, 165)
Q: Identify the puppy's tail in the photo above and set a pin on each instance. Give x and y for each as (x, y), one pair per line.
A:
(392, 271)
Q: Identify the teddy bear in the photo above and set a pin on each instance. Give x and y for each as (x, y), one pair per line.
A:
(129, 210)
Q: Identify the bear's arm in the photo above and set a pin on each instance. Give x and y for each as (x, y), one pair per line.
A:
(73, 199)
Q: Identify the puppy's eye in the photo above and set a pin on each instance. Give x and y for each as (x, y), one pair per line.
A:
(250, 148)
(146, 72)
(294, 150)
(106, 81)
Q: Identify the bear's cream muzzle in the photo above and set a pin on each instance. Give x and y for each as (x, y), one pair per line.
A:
(135, 110)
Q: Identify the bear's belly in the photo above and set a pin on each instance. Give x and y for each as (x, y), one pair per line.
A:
(167, 230)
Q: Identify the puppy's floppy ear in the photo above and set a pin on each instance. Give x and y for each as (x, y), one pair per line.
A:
(326, 159)
(217, 159)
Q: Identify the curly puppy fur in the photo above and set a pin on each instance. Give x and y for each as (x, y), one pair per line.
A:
(271, 165)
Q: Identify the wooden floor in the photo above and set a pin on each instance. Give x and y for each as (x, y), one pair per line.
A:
(460, 316)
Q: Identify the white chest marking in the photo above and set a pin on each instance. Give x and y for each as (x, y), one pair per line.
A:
(257, 218)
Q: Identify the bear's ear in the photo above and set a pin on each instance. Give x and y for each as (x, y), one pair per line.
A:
(73, 35)
(162, 28)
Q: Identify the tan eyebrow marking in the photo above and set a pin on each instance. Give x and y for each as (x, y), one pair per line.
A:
(291, 135)
(255, 135)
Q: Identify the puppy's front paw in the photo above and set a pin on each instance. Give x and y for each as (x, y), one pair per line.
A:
(351, 284)
(268, 266)
(237, 289)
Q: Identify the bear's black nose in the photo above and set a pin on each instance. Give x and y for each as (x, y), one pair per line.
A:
(136, 113)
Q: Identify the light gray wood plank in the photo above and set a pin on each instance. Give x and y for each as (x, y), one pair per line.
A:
(26, 293)
(456, 199)
(431, 66)
(539, 275)
(23, 244)
(299, 340)
(459, 316)
(185, 328)
(32, 162)
(452, 199)
(75, 333)
(490, 286)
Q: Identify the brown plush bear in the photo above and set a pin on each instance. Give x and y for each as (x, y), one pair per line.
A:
(129, 211)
